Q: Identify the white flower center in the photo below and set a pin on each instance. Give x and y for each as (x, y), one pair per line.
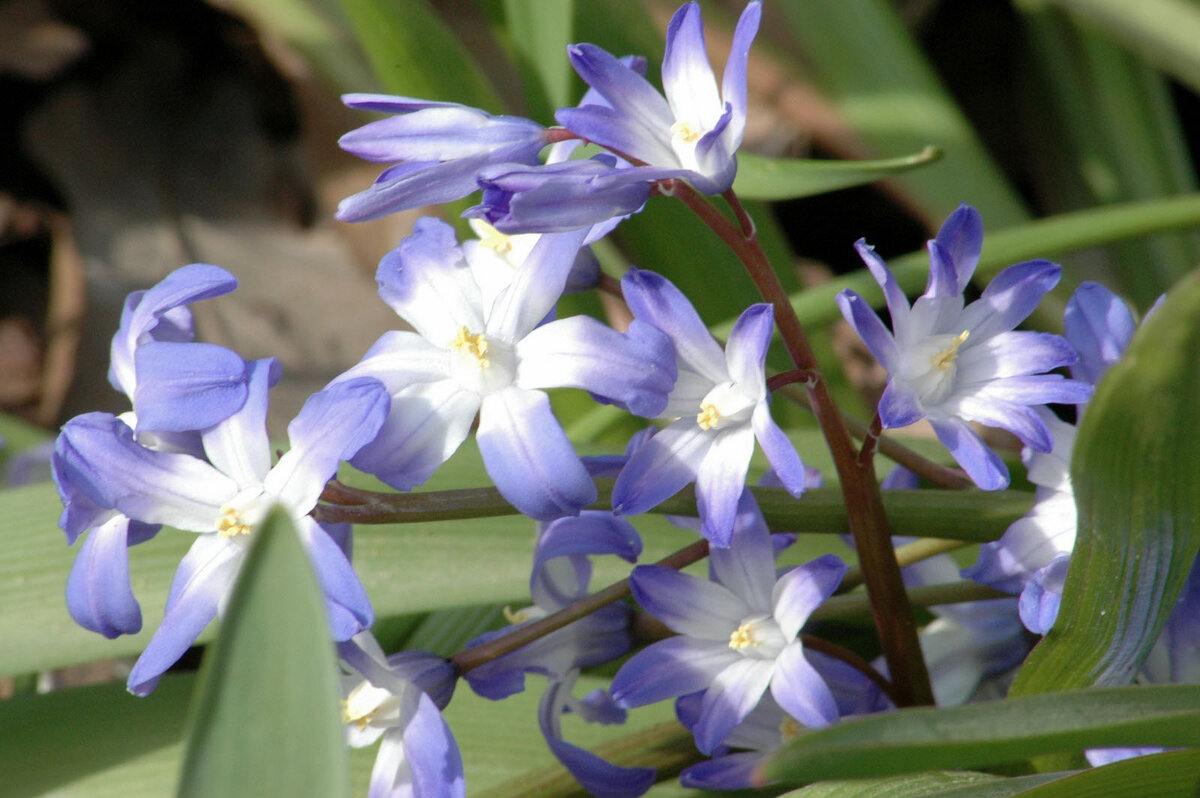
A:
(758, 637)
(366, 702)
(724, 406)
(481, 364)
(237, 518)
(930, 367)
(684, 137)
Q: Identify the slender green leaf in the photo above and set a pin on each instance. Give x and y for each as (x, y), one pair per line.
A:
(265, 720)
(992, 732)
(1163, 32)
(891, 96)
(416, 54)
(540, 31)
(1136, 474)
(1171, 773)
(1003, 788)
(1044, 238)
(763, 178)
(917, 785)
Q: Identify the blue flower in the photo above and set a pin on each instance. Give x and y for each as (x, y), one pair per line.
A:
(952, 364)
(222, 497)
(721, 403)
(561, 574)
(1032, 556)
(738, 635)
(398, 698)
(695, 127)
(175, 387)
(469, 356)
(440, 148)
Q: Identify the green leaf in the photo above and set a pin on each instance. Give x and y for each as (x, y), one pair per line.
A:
(540, 31)
(1163, 32)
(416, 54)
(891, 96)
(763, 178)
(916, 785)
(1170, 773)
(57, 739)
(992, 732)
(265, 720)
(1136, 474)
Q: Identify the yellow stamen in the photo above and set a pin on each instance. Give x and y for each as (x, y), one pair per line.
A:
(474, 345)
(230, 523)
(943, 359)
(493, 239)
(520, 616)
(789, 728)
(743, 637)
(685, 132)
(708, 416)
(360, 721)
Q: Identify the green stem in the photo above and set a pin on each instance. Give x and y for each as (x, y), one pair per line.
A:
(868, 522)
(906, 555)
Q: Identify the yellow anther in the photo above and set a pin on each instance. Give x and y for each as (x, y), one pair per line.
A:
(230, 523)
(788, 727)
(685, 132)
(474, 345)
(708, 416)
(520, 616)
(743, 637)
(943, 359)
(493, 239)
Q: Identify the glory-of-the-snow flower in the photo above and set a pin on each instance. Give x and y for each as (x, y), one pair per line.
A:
(739, 634)
(952, 363)
(222, 497)
(176, 386)
(696, 127)
(721, 405)
(468, 358)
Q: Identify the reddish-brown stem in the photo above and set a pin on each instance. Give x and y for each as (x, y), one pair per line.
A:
(870, 441)
(610, 285)
(475, 656)
(777, 381)
(557, 134)
(864, 506)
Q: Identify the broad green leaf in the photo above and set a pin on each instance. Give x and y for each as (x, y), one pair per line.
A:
(264, 720)
(762, 178)
(1163, 32)
(1002, 788)
(992, 732)
(1170, 773)
(890, 95)
(1136, 474)
(55, 740)
(416, 54)
(540, 31)
(1044, 238)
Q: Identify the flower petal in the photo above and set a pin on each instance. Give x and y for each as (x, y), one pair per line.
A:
(870, 328)
(662, 467)
(429, 284)
(670, 668)
(801, 691)
(897, 302)
(804, 588)
(635, 369)
(186, 386)
(746, 349)
(781, 454)
(747, 567)
(432, 754)
(655, 299)
(720, 481)
(982, 465)
(425, 425)
(401, 358)
(733, 694)
(537, 286)
(238, 446)
(687, 77)
(99, 595)
(1099, 325)
(201, 584)
(1010, 297)
(733, 81)
(961, 240)
(729, 772)
(331, 427)
(687, 604)
(528, 456)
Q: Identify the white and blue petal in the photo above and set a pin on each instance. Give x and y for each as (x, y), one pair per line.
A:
(801, 690)
(983, 466)
(528, 456)
(730, 698)
(186, 386)
(1099, 325)
(687, 604)
(720, 481)
(670, 668)
(655, 299)
(99, 595)
(662, 467)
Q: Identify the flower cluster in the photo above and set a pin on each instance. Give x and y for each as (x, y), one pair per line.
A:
(484, 345)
